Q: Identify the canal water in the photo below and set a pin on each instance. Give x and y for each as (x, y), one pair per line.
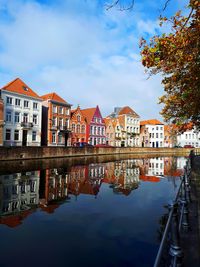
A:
(98, 214)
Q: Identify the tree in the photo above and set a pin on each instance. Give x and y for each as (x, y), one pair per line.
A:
(176, 55)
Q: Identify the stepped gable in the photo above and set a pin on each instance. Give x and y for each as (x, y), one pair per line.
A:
(20, 87)
(55, 97)
(151, 122)
(127, 111)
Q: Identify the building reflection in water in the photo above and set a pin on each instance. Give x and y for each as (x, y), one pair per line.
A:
(21, 193)
(19, 196)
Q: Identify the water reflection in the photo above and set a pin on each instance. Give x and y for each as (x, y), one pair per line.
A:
(22, 193)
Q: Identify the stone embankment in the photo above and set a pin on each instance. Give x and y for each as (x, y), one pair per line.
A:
(19, 153)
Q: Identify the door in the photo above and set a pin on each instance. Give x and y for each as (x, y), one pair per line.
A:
(24, 138)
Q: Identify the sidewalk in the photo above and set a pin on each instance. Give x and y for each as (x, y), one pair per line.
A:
(191, 239)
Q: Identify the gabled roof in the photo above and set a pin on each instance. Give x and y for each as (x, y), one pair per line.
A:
(19, 87)
(88, 113)
(151, 122)
(127, 111)
(53, 96)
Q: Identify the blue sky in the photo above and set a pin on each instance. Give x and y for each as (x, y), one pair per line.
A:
(86, 54)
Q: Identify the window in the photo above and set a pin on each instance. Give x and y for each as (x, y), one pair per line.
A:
(102, 131)
(8, 134)
(8, 116)
(78, 118)
(157, 128)
(60, 110)
(17, 102)
(73, 127)
(16, 135)
(26, 103)
(25, 117)
(161, 135)
(83, 128)
(91, 129)
(67, 111)
(152, 135)
(156, 135)
(53, 137)
(35, 119)
(59, 138)
(54, 109)
(9, 100)
(35, 105)
(67, 123)
(78, 128)
(54, 121)
(16, 117)
(60, 122)
(95, 129)
(99, 129)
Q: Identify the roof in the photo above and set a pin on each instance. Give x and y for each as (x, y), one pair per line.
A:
(151, 122)
(88, 113)
(20, 87)
(127, 111)
(53, 96)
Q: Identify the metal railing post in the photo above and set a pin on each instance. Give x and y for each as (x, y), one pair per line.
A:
(175, 247)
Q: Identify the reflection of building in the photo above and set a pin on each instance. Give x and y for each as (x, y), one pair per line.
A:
(150, 168)
(22, 115)
(55, 121)
(53, 189)
(1, 121)
(19, 194)
(123, 176)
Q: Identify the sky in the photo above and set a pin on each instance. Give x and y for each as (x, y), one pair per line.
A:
(88, 55)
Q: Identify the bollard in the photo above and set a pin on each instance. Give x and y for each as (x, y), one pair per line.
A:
(175, 247)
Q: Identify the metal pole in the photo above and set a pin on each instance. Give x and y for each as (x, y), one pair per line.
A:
(175, 247)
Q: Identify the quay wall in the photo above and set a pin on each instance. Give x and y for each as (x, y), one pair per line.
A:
(23, 153)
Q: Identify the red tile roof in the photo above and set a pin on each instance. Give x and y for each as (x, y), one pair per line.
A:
(19, 87)
(88, 113)
(53, 96)
(127, 110)
(151, 122)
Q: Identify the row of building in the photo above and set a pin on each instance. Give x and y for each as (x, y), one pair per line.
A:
(27, 119)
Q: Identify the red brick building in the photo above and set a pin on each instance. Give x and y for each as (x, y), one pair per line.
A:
(78, 126)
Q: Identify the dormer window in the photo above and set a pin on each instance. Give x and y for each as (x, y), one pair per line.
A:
(25, 88)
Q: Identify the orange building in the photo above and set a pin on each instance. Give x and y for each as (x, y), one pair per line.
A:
(56, 114)
(170, 136)
(1, 121)
(78, 126)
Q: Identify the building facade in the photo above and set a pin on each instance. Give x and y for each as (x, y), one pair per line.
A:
(22, 115)
(129, 122)
(78, 126)
(96, 129)
(189, 138)
(155, 129)
(1, 120)
(56, 113)
(113, 132)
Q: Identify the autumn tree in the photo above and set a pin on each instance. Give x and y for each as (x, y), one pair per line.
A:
(176, 55)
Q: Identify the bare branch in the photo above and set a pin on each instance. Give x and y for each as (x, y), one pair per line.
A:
(166, 4)
(120, 7)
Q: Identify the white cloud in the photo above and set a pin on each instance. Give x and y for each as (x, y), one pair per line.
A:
(88, 60)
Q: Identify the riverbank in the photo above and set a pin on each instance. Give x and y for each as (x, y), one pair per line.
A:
(25, 153)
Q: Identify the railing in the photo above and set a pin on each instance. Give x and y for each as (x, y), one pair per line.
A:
(27, 124)
(177, 220)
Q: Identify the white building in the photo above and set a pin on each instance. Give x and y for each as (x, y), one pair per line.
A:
(189, 138)
(155, 130)
(22, 115)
